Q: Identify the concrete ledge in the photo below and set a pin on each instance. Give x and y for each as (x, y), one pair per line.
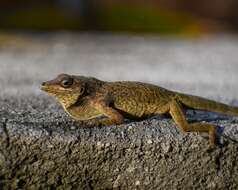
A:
(40, 148)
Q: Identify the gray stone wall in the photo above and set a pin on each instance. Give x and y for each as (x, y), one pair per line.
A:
(42, 148)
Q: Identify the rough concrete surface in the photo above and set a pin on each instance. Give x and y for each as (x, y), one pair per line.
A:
(42, 148)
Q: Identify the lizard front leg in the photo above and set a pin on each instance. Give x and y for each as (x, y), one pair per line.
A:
(178, 116)
(113, 116)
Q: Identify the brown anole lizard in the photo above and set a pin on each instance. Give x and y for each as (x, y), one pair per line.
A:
(86, 98)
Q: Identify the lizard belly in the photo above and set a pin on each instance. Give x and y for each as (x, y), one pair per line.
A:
(83, 113)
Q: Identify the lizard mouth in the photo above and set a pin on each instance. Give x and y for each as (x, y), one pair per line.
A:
(53, 90)
(43, 86)
(47, 89)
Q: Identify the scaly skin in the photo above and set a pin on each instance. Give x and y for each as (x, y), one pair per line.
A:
(86, 98)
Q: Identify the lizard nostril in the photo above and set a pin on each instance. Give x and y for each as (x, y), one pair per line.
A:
(43, 84)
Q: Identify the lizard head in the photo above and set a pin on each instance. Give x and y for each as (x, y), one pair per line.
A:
(67, 89)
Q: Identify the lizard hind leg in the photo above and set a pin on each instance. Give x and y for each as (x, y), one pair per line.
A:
(178, 116)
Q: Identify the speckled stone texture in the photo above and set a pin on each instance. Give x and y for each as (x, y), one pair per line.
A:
(42, 148)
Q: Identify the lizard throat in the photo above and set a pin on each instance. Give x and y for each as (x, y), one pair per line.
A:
(68, 100)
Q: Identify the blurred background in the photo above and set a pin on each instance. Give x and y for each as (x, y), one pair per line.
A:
(184, 45)
(151, 16)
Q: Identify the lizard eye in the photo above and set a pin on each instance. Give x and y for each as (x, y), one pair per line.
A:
(67, 82)
(82, 90)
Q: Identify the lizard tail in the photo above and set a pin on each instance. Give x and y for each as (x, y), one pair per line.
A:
(200, 103)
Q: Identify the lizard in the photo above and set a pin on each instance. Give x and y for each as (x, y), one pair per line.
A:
(88, 98)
